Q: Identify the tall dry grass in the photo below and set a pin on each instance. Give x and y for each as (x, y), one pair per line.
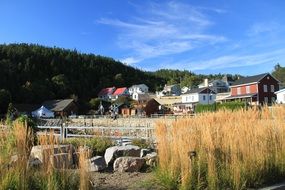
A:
(16, 142)
(236, 150)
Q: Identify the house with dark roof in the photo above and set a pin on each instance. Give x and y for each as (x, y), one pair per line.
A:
(120, 92)
(193, 97)
(106, 93)
(62, 108)
(255, 90)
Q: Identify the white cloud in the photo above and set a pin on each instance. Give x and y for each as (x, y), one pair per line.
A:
(164, 29)
(231, 61)
(130, 60)
(263, 28)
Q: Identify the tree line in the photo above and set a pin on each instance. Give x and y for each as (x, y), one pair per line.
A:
(31, 73)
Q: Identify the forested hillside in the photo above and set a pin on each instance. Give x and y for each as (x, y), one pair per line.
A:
(33, 73)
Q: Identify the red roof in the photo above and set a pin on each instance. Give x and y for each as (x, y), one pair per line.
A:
(106, 91)
(120, 91)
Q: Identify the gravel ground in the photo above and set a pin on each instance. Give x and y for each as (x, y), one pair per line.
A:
(123, 181)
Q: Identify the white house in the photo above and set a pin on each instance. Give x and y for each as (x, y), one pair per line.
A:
(140, 88)
(280, 96)
(219, 86)
(193, 97)
(199, 96)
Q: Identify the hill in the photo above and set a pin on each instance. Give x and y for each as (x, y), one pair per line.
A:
(33, 73)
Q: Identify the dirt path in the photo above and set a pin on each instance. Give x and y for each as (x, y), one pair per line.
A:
(123, 181)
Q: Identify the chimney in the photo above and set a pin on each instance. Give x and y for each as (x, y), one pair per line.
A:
(206, 82)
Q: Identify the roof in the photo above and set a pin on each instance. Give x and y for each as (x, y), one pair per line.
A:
(250, 79)
(200, 90)
(119, 91)
(137, 85)
(106, 91)
(279, 91)
(240, 96)
(57, 105)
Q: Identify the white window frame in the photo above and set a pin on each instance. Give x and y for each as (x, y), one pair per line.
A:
(247, 88)
(265, 89)
(272, 87)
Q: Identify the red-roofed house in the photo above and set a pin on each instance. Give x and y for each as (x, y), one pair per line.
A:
(120, 92)
(106, 93)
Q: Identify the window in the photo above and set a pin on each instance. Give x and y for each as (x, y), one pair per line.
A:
(238, 90)
(204, 97)
(247, 89)
(266, 100)
(272, 88)
(264, 88)
(210, 97)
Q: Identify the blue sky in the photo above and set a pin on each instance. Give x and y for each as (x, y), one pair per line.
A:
(217, 36)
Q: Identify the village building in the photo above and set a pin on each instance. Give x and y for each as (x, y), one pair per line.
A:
(192, 98)
(170, 90)
(152, 107)
(140, 89)
(106, 93)
(280, 96)
(140, 98)
(61, 108)
(218, 86)
(120, 92)
(256, 90)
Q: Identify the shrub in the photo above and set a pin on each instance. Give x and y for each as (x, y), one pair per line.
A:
(98, 145)
(142, 143)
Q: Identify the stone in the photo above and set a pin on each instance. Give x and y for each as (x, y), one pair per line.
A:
(144, 152)
(114, 152)
(128, 164)
(43, 152)
(34, 163)
(61, 161)
(96, 164)
(151, 159)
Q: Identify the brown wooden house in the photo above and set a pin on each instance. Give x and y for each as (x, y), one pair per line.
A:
(256, 90)
(62, 108)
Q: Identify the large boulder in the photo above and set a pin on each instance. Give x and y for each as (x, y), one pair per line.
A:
(43, 152)
(96, 164)
(61, 161)
(128, 164)
(119, 151)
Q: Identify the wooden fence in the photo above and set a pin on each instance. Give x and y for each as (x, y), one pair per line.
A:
(130, 132)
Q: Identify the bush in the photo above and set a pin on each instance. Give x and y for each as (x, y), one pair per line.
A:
(142, 143)
(235, 105)
(98, 145)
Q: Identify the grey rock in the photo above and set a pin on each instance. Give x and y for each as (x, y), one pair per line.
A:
(96, 164)
(61, 161)
(114, 152)
(128, 164)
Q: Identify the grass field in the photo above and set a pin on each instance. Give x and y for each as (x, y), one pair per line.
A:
(223, 150)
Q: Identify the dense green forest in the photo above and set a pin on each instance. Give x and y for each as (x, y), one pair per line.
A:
(33, 73)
